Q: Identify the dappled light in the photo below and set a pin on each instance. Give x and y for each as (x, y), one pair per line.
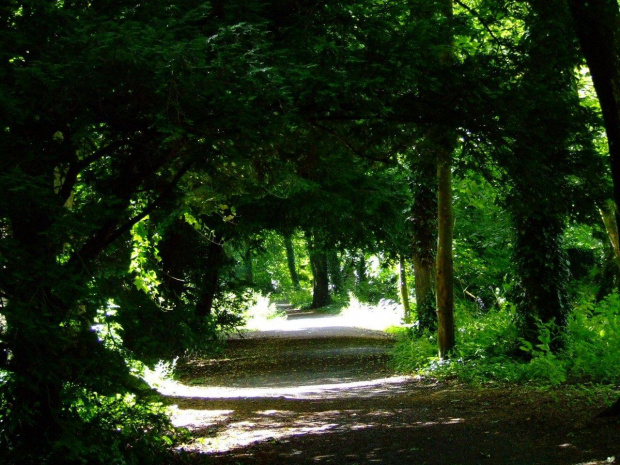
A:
(224, 433)
(305, 408)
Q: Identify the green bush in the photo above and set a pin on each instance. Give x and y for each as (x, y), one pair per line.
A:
(488, 348)
(119, 429)
(594, 341)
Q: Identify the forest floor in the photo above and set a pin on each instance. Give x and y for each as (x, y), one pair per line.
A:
(313, 389)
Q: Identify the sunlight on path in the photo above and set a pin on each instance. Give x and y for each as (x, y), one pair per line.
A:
(225, 418)
(321, 391)
(358, 323)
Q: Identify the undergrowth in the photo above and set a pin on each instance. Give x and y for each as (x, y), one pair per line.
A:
(488, 349)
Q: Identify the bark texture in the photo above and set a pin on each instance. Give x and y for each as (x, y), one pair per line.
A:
(424, 228)
(444, 140)
(608, 214)
(445, 268)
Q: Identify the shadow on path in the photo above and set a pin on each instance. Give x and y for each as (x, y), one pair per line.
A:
(315, 390)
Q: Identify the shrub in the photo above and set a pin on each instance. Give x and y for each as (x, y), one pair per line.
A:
(489, 349)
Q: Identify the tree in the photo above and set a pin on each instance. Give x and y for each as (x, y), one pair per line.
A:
(608, 215)
(403, 288)
(290, 259)
(424, 235)
(596, 25)
(318, 261)
(110, 106)
(443, 139)
(545, 148)
(445, 270)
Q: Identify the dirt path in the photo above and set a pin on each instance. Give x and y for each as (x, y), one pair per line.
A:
(317, 390)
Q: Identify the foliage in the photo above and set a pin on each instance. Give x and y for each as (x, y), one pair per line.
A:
(381, 281)
(298, 299)
(270, 264)
(489, 348)
(135, 432)
(594, 332)
(482, 261)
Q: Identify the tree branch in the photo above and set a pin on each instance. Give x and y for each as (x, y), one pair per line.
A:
(109, 232)
(151, 206)
(347, 144)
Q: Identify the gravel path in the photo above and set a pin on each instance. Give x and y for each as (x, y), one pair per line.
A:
(315, 389)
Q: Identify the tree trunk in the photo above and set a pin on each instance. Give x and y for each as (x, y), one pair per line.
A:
(424, 228)
(335, 274)
(318, 263)
(424, 275)
(290, 259)
(445, 272)
(608, 213)
(539, 170)
(541, 265)
(596, 24)
(444, 140)
(213, 265)
(248, 266)
(404, 290)
(361, 268)
(170, 251)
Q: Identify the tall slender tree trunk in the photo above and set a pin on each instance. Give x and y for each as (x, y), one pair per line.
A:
(361, 268)
(318, 263)
(290, 260)
(596, 24)
(445, 271)
(403, 288)
(424, 228)
(445, 140)
(608, 214)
